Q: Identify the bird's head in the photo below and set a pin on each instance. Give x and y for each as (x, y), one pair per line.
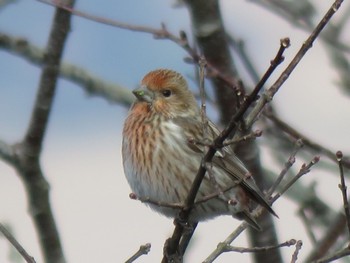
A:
(166, 92)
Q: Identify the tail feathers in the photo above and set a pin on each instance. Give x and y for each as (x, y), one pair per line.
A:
(246, 216)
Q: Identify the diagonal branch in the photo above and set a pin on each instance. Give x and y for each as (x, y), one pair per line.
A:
(306, 140)
(258, 211)
(91, 84)
(16, 244)
(173, 242)
(268, 95)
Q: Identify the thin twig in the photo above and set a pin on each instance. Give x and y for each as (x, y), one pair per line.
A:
(305, 168)
(229, 248)
(218, 193)
(216, 253)
(239, 47)
(16, 244)
(250, 136)
(143, 250)
(221, 246)
(91, 84)
(340, 254)
(298, 246)
(202, 64)
(306, 140)
(287, 166)
(148, 200)
(343, 188)
(268, 95)
(173, 242)
(334, 230)
(307, 225)
(161, 33)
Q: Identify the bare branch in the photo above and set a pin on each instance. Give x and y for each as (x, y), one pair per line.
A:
(298, 246)
(161, 33)
(287, 166)
(26, 154)
(343, 187)
(305, 168)
(7, 153)
(218, 193)
(284, 44)
(221, 246)
(143, 250)
(93, 85)
(229, 248)
(320, 149)
(308, 225)
(17, 245)
(268, 95)
(256, 213)
(5, 3)
(173, 242)
(250, 136)
(340, 254)
(335, 229)
(202, 64)
(155, 202)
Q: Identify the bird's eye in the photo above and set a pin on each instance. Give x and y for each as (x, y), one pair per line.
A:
(166, 93)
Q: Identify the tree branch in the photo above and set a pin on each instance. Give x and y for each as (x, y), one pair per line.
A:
(93, 85)
(173, 242)
(343, 188)
(143, 250)
(258, 211)
(26, 157)
(17, 246)
(268, 95)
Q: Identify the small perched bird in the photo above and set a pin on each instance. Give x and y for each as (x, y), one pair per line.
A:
(161, 157)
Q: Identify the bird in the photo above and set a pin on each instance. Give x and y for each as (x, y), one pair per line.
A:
(163, 144)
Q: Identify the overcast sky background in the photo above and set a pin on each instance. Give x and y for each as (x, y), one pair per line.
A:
(81, 157)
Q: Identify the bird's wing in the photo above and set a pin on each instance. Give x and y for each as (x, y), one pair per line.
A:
(232, 165)
(224, 158)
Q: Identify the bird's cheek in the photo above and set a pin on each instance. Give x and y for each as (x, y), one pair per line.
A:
(140, 108)
(162, 107)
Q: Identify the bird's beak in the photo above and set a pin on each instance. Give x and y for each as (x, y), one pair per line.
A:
(143, 94)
